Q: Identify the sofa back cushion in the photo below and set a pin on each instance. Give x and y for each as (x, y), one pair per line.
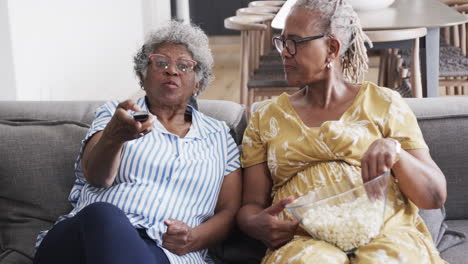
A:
(36, 175)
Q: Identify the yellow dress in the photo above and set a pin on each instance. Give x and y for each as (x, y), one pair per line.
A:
(301, 159)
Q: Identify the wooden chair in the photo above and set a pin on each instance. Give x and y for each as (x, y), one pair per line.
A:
(268, 12)
(391, 72)
(453, 74)
(249, 26)
(266, 75)
(455, 35)
(266, 3)
(258, 10)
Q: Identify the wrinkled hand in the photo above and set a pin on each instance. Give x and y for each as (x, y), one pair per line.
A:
(123, 127)
(378, 159)
(272, 231)
(178, 238)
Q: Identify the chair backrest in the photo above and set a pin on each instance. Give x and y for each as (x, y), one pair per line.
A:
(456, 35)
(269, 13)
(258, 10)
(266, 3)
(461, 29)
(250, 27)
(453, 79)
(398, 35)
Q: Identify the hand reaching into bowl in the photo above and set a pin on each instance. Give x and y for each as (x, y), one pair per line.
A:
(379, 158)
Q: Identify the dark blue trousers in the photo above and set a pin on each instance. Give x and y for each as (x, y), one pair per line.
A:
(98, 234)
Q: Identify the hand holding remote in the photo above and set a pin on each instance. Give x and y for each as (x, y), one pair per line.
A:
(124, 126)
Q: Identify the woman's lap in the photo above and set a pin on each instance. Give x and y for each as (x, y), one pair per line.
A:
(396, 247)
(302, 250)
(100, 233)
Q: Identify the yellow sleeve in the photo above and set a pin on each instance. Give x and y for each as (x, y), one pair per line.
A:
(253, 148)
(402, 125)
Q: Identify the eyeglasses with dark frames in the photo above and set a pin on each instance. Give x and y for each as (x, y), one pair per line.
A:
(290, 44)
(161, 62)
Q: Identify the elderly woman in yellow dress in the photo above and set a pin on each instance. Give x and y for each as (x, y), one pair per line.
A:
(334, 130)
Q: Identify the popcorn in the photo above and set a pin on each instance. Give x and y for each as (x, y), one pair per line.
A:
(346, 225)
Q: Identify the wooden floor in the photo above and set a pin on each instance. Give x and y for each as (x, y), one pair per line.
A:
(226, 52)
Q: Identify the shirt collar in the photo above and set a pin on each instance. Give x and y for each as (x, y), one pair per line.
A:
(197, 129)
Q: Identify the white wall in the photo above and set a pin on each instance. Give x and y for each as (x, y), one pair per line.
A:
(7, 81)
(78, 50)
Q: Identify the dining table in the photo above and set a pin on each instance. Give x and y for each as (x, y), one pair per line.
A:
(405, 14)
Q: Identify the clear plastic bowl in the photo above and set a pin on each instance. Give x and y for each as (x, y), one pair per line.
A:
(345, 216)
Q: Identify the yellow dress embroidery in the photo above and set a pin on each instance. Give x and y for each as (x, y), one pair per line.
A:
(302, 158)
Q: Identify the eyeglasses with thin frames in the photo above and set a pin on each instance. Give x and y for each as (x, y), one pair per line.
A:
(290, 44)
(161, 62)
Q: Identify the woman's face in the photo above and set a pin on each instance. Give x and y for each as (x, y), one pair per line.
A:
(170, 85)
(307, 65)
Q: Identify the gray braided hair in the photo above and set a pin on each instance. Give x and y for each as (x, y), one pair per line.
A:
(337, 17)
(175, 32)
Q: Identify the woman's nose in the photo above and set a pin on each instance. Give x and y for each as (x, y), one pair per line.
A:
(172, 69)
(285, 53)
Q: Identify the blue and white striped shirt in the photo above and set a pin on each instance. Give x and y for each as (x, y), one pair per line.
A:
(163, 176)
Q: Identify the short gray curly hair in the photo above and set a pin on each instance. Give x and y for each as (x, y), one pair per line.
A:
(337, 17)
(175, 32)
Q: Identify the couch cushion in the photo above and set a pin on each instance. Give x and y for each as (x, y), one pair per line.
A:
(79, 111)
(434, 220)
(36, 175)
(444, 123)
(13, 257)
(459, 253)
(232, 113)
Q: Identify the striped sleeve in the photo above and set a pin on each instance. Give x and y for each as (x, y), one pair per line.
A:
(102, 116)
(233, 157)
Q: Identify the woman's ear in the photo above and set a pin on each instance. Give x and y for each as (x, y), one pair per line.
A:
(196, 88)
(334, 47)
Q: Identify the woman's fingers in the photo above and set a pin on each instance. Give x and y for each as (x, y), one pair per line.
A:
(177, 237)
(381, 164)
(129, 104)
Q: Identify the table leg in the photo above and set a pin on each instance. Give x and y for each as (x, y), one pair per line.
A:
(430, 63)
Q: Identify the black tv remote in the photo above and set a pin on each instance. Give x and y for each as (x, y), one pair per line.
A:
(141, 116)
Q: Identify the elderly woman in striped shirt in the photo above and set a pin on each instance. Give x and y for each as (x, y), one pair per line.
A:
(156, 191)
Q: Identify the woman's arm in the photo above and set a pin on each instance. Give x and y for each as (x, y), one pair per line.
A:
(181, 239)
(101, 155)
(101, 159)
(419, 177)
(256, 217)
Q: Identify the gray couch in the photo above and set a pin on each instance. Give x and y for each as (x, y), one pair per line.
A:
(39, 142)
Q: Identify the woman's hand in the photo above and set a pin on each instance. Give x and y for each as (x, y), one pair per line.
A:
(379, 158)
(268, 228)
(123, 127)
(178, 238)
